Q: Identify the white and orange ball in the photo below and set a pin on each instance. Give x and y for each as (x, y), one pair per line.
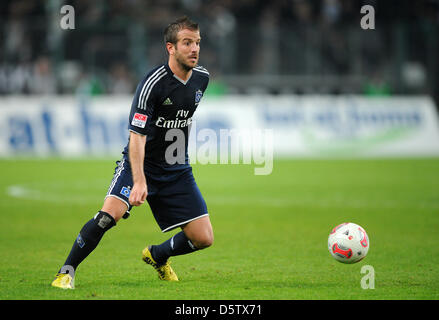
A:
(348, 243)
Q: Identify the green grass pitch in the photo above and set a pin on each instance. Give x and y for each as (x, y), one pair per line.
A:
(270, 232)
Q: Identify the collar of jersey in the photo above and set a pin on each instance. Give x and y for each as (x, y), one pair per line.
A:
(176, 77)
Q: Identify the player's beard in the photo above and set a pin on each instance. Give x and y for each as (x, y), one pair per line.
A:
(183, 64)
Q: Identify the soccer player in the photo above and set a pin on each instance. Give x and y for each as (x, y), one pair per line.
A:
(151, 168)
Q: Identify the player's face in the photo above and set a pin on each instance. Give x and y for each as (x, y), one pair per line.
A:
(187, 49)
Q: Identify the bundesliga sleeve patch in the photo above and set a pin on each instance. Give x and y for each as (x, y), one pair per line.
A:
(139, 120)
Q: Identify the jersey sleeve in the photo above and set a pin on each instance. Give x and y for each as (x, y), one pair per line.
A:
(142, 106)
(205, 75)
(206, 84)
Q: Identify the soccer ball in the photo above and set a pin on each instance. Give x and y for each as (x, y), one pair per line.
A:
(348, 243)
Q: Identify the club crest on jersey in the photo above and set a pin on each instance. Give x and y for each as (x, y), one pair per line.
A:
(198, 95)
(139, 120)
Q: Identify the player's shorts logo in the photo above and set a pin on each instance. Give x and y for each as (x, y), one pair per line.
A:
(125, 191)
(139, 120)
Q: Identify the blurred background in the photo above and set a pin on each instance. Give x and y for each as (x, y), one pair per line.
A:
(249, 46)
(291, 66)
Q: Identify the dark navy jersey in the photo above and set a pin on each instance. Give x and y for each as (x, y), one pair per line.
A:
(162, 109)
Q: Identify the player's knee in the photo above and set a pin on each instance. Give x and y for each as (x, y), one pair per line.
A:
(114, 207)
(116, 217)
(203, 241)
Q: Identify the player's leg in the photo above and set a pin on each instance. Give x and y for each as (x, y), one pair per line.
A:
(93, 231)
(88, 239)
(199, 232)
(178, 204)
(115, 206)
(195, 235)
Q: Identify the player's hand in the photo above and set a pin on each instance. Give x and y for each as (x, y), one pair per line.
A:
(138, 194)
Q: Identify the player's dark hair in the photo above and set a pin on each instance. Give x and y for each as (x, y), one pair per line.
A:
(173, 28)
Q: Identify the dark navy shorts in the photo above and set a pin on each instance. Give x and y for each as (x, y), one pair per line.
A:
(173, 202)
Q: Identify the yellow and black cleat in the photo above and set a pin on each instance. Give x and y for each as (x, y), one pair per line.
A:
(63, 281)
(165, 271)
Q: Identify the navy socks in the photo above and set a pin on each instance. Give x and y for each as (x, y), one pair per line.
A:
(93, 231)
(177, 245)
(88, 238)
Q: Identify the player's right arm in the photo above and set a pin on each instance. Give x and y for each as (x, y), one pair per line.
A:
(137, 155)
(140, 116)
